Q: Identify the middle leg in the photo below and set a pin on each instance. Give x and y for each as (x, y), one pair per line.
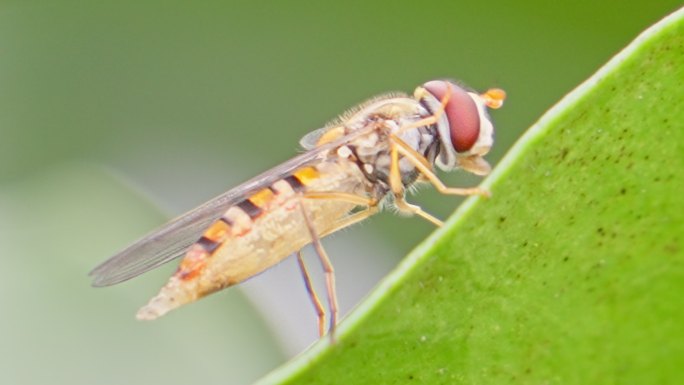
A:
(327, 267)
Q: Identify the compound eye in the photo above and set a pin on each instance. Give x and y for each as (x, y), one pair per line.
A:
(461, 113)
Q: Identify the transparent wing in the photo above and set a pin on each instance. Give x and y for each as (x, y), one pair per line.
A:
(309, 141)
(171, 240)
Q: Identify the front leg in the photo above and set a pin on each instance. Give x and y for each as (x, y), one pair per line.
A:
(399, 190)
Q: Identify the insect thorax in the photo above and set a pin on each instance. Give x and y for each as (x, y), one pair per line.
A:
(372, 155)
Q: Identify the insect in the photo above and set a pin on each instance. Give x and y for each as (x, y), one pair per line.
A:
(364, 160)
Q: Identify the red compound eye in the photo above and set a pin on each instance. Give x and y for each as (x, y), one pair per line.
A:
(461, 112)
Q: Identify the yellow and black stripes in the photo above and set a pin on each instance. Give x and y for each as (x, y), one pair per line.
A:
(240, 219)
(208, 245)
(257, 203)
(252, 210)
(214, 236)
(306, 175)
(295, 183)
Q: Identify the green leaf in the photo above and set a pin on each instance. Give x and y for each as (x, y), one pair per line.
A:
(572, 273)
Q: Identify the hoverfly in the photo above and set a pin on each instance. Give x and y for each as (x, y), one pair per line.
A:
(359, 162)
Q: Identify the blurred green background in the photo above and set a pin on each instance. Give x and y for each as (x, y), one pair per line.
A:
(115, 116)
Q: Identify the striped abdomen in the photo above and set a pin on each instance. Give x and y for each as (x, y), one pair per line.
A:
(257, 233)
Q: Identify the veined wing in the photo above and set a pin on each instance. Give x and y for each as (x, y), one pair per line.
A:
(172, 240)
(310, 140)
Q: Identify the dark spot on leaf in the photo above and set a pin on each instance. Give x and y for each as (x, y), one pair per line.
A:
(672, 248)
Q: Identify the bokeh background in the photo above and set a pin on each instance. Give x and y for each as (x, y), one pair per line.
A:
(117, 115)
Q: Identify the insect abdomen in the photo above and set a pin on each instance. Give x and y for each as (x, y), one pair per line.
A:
(255, 234)
(240, 219)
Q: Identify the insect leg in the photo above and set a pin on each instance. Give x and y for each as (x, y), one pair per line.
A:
(327, 267)
(431, 119)
(420, 163)
(370, 204)
(372, 208)
(341, 196)
(398, 190)
(320, 311)
(353, 218)
(402, 205)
